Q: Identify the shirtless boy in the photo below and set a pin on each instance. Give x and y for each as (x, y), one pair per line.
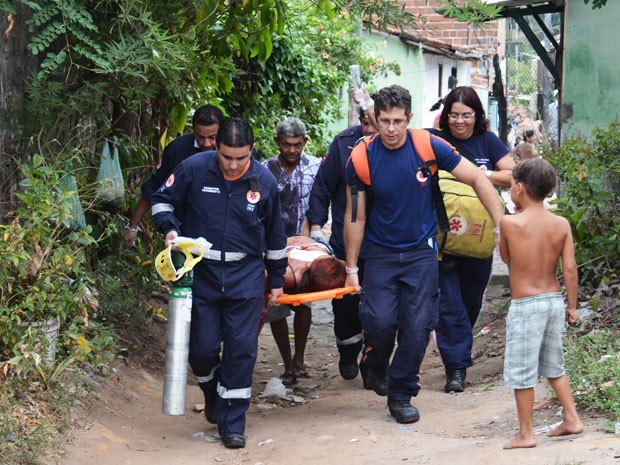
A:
(532, 242)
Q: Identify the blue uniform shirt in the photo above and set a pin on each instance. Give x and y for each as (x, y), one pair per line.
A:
(402, 215)
(330, 184)
(230, 216)
(485, 149)
(175, 152)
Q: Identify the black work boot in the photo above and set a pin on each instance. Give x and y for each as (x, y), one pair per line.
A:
(455, 380)
(364, 373)
(210, 392)
(403, 411)
(347, 365)
(234, 441)
(378, 380)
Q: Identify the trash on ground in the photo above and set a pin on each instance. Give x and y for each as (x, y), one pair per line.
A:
(274, 388)
(201, 436)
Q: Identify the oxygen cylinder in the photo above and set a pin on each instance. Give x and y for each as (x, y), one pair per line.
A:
(177, 341)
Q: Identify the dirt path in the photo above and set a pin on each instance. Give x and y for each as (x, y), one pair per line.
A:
(330, 420)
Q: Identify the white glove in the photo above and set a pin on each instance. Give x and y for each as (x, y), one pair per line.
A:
(197, 246)
(316, 233)
(362, 98)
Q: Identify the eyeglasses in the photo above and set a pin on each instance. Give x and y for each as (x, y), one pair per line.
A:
(398, 123)
(463, 116)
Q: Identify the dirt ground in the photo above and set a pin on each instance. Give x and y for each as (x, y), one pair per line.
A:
(327, 419)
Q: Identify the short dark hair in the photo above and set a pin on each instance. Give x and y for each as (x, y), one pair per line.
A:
(467, 96)
(537, 175)
(527, 134)
(437, 105)
(207, 115)
(323, 274)
(394, 96)
(234, 132)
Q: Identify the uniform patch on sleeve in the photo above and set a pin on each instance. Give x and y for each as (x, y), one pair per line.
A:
(170, 181)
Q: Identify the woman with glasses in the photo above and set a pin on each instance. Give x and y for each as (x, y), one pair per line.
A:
(463, 280)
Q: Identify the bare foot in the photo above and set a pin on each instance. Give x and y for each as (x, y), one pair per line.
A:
(567, 427)
(520, 442)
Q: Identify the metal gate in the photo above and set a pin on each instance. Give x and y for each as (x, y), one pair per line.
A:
(531, 91)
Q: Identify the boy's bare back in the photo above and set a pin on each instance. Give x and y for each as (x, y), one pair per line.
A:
(532, 242)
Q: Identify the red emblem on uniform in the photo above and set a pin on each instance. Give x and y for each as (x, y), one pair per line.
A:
(253, 197)
(170, 181)
(420, 176)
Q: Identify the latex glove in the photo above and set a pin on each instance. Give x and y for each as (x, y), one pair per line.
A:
(316, 233)
(129, 236)
(197, 244)
(170, 236)
(275, 293)
(353, 280)
(362, 98)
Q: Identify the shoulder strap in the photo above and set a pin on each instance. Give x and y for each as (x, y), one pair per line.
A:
(359, 158)
(422, 144)
(361, 171)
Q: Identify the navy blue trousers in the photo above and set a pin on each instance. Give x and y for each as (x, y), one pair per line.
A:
(462, 281)
(235, 324)
(400, 301)
(347, 323)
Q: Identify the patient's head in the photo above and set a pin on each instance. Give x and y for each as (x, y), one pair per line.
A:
(323, 273)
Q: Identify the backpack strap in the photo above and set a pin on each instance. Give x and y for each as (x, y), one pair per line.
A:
(361, 171)
(422, 143)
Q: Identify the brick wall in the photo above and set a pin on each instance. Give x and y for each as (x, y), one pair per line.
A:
(450, 31)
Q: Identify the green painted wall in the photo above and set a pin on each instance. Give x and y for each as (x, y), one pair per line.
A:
(411, 62)
(412, 77)
(591, 90)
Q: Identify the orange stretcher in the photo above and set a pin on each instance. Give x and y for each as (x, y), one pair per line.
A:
(298, 299)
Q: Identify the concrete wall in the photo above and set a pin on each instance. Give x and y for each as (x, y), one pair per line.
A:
(433, 89)
(591, 83)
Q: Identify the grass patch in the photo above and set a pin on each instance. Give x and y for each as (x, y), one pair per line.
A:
(33, 419)
(593, 367)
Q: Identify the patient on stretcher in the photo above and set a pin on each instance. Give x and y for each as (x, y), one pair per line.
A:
(311, 267)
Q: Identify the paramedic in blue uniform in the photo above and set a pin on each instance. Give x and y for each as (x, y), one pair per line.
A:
(205, 123)
(400, 297)
(330, 187)
(232, 201)
(463, 280)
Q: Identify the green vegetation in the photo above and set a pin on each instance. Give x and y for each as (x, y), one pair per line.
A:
(589, 174)
(593, 367)
(589, 188)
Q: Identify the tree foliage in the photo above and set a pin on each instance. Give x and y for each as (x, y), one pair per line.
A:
(596, 3)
